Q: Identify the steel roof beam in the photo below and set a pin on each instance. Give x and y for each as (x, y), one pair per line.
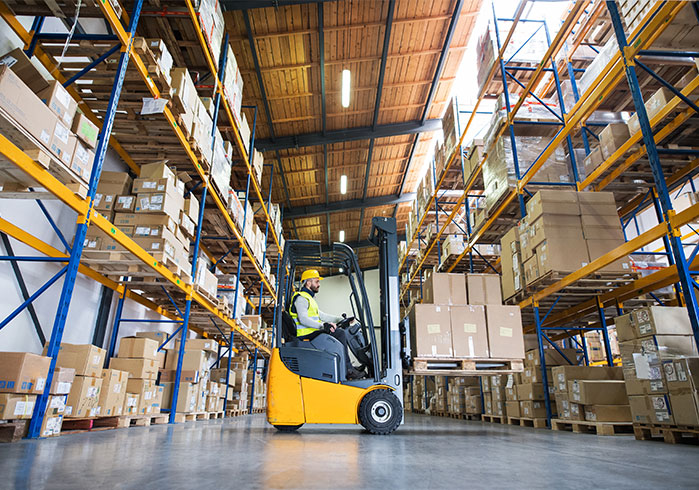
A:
(348, 205)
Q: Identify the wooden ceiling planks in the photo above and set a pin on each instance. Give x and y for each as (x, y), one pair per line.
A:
(287, 43)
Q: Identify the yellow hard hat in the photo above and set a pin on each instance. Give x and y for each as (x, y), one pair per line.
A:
(310, 274)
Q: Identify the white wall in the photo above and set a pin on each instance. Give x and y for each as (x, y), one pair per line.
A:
(333, 297)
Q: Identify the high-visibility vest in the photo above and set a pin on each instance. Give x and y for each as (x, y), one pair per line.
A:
(313, 313)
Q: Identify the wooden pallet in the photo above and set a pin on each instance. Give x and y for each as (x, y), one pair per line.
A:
(495, 419)
(464, 416)
(202, 416)
(215, 415)
(13, 430)
(537, 423)
(423, 366)
(207, 295)
(586, 427)
(78, 425)
(671, 434)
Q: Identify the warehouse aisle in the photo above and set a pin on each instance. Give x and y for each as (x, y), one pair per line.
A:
(427, 452)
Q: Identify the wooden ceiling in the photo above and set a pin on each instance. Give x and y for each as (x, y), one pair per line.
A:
(286, 40)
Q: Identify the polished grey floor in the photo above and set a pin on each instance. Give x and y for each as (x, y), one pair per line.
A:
(426, 452)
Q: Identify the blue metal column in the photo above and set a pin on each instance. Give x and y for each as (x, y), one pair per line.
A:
(605, 332)
(542, 356)
(513, 142)
(686, 280)
(254, 375)
(115, 327)
(83, 221)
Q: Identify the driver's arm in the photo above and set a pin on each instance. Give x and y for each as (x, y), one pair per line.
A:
(329, 318)
(301, 305)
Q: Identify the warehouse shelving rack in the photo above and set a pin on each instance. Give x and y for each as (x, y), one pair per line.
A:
(179, 288)
(567, 319)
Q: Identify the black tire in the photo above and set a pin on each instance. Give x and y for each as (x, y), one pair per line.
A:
(380, 412)
(288, 428)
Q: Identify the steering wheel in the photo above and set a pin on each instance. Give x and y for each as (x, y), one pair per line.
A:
(345, 322)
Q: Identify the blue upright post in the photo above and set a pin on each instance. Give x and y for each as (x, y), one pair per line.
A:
(115, 327)
(686, 280)
(254, 375)
(81, 231)
(583, 343)
(513, 142)
(605, 332)
(542, 356)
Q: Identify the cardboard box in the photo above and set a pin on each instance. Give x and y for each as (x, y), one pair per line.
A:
(137, 368)
(157, 402)
(146, 389)
(561, 255)
(577, 411)
(219, 375)
(504, 332)
(116, 182)
(592, 161)
(597, 248)
(651, 409)
(160, 203)
(597, 392)
(445, 289)
(145, 185)
(131, 402)
(159, 337)
(187, 398)
(51, 425)
(23, 68)
(138, 348)
(597, 227)
(653, 320)
(83, 399)
(597, 204)
(685, 408)
(532, 409)
(469, 331)
(608, 413)
(192, 360)
(612, 137)
(552, 201)
(86, 359)
(191, 208)
(113, 392)
(57, 98)
(15, 406)
(533, 374)
(83, 159)
(512, 408)
(552, 357)
(532, 391)
(531, 269)
(562, 405)
(62, 143)
(125, 204)
(22, 372)
(85, 130)
(563, 374)
(186, 375)
(27, 110)
(483, 289)
(62, 380)
(554, 227)
(208, 345)
(430, 331)
(682, 375)
(158, 170)
(104, 202)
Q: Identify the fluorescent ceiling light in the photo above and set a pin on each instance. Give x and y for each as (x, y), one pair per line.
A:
(342, 235)
(343, 184)
(345, 88)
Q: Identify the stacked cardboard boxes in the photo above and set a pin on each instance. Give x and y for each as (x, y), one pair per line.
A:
(653, 342)
(87, 361)
(463, 316)
(47, 113)
(423, 393)
(463, 395)
(139, 357)
(22, 378)
(595, 394)
(194, 388)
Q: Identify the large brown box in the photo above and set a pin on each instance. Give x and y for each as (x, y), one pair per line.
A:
(577, 411)
(531, 269)
(186, 375)
(682, 375)
(533, 374)
(533, 409)
(15, 406)
(601, 227)
(597, 392)
(137, 368)
(597, 248)
(62, 380)
(83, 399)
(112, 392)
(685, 408)
(219, 375)
(512, 408)
(531, 391)
(612, 137)
(86, 359)
(504, 331)
(561, 255)
(483, 289)
(562, 405)
(198, 344)
(193, 360)
(23, 372)
(131, 401)
(146, 388)
(562, 374)
(469, 331)
(608, 413)
(554, 226)
(138, 348)
(445, 289)
(553, 357)
(553, 201)
(430, 331)
(115, 182)
(651, 409)
(653, 320)
(597, 203)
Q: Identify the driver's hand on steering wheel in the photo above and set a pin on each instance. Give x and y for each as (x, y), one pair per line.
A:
(333, 327)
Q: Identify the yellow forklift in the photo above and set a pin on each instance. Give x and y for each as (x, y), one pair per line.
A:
(306, 382)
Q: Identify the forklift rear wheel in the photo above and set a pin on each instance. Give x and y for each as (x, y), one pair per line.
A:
(288, 428)
(380, 412)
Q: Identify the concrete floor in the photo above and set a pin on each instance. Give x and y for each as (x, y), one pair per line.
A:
(426, 452)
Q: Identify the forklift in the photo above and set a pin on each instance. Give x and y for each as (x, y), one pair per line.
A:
(306, 382)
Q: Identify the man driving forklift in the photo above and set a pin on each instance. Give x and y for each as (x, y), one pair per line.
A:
(310, 321)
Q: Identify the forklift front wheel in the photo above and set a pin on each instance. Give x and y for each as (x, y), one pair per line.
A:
(380, 412)
(288, 428)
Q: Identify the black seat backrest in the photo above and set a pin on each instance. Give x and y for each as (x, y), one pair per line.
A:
(288, 327)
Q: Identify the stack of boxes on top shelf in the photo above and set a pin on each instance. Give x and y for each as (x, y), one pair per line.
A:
(590, 393)
(40, 118)
(152, 210)
(548, 239)
(22, 378)
(463, 316)
(660, 365)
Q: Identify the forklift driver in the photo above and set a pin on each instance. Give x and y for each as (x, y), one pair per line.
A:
(309, 319)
